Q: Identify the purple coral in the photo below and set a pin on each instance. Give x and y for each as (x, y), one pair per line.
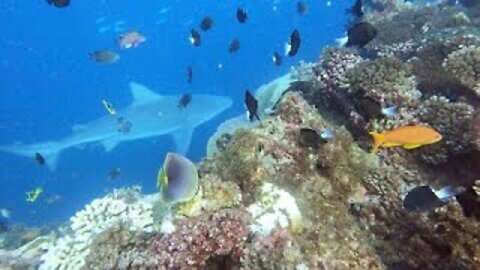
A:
(197, 240)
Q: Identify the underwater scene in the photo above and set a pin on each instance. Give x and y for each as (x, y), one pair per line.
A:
(276, 134)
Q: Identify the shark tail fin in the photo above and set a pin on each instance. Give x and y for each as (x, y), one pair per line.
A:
(50, 151)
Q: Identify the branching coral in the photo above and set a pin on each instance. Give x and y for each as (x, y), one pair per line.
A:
(108, 213)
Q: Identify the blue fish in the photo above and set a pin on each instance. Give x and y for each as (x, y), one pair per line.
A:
(448, 192)
(425, 199)
(327, 134)
(390, 111)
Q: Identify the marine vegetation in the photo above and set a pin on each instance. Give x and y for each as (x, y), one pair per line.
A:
(297, 185)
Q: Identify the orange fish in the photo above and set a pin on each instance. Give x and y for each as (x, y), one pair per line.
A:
(131, 40)
(409, 137)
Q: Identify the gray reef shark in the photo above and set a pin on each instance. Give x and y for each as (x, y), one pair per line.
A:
(149, 115)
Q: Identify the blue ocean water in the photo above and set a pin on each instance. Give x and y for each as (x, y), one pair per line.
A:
(48, 83)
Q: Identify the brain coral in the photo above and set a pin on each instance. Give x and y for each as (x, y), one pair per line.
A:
(464, 64)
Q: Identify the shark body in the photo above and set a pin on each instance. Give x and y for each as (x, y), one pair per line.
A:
(150, 115)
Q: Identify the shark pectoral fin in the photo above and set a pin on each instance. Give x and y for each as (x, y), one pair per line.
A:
(109, 145)
(411, 146)
(182, 138)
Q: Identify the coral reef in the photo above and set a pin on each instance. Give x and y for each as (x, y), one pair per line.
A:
(303, 71)
(195, 241)
(464, 65)
(267, 95)
(268, 201)
(387, 80)
(475, 129)
(108, 213)
(193, 244)
(269, 154)
(278, 250)
(274, 208)
(452, 120)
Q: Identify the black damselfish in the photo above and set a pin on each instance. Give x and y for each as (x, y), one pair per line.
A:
(252, 106)
(234, 46)
(277, 59)
(293, 46)
(195, 38)
(206, 24)
(59, 3)
(361, 34)
(241, 15)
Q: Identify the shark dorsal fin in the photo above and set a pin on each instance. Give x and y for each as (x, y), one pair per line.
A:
(142, 94)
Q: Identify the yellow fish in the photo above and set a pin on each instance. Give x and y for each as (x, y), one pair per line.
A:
(409, 137)
(109, 107)
(33, 195)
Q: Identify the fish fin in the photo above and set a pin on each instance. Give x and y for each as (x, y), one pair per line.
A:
(162, 180)
(183, 138)
(390, 144)
(49, 150)
(448, 192)
(341, 42)
(142, 94)
(411, 145)
(287, 48)
(109, 145)
(378, 139)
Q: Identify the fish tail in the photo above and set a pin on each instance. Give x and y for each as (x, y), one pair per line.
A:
(448, 192)
(378, 140)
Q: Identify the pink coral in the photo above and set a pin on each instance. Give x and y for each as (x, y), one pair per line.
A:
(197, 240)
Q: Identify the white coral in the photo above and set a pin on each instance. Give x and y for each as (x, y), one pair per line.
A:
(99, 216)
(275, 209)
